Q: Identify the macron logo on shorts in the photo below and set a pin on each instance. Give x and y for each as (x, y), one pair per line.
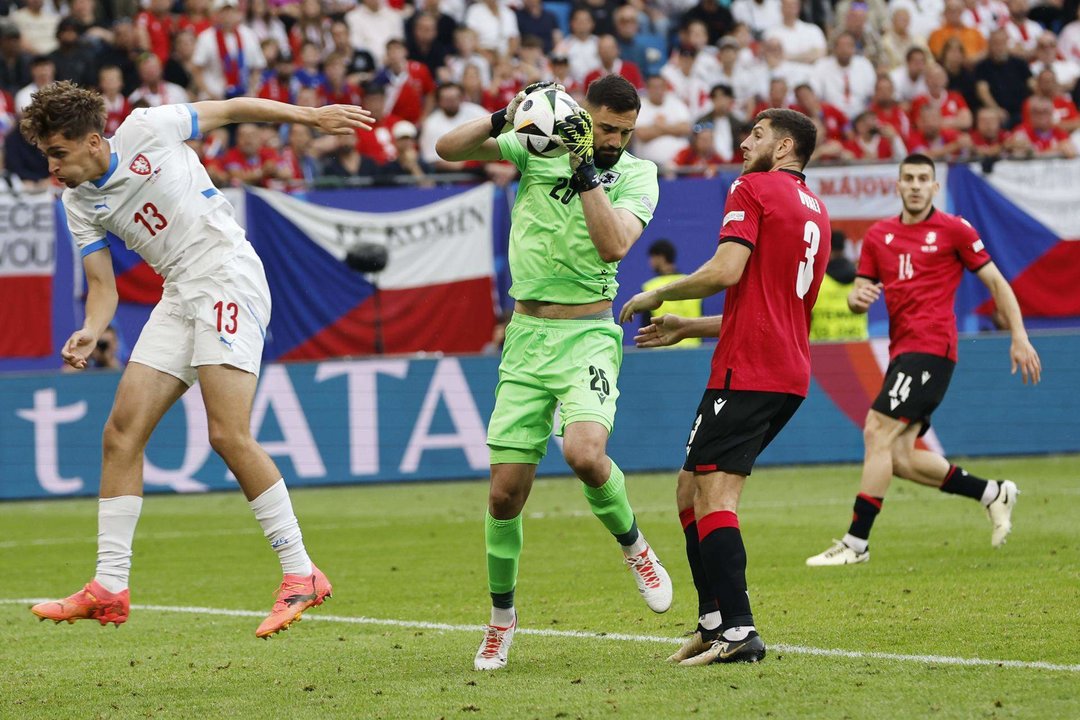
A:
(733, 216)
(718, 405)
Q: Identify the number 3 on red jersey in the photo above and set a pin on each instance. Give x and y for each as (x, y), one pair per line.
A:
(812, 238)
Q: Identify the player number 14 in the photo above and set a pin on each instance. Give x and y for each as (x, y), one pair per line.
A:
(812, 238)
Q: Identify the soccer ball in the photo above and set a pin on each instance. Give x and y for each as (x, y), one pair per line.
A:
(534, 121)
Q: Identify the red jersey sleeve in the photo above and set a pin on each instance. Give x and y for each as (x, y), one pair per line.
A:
(969, 246)
(742, 214)
(868, 267)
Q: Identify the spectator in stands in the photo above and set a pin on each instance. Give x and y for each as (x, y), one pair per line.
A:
(1040, 137)
(910, 78)
(359, 64)
(37, 25)
(466, 53)
(153, 89)
(699, 158)
(95, 32)
(778, 66)
(888, 111)
(337, 90)
(580, 47)
(25, 161)
(925, 16)
(250, 162)
(695, 35)
(1023, 32)
(683, 83)
(856, 20)
(1001, 79)
(716, 17)
(117, 108)
(779, 96)
(1066, 115)
(560, 73)
(378, 143)
(228, 60)
(300, 157)
(953, 26)
(154, 28)
(196, 17)
(373, 23)
(265, 21)
(930, 138)
(444, 24)
(955, 113)
(1069, 39)
(612, 64)
(122, 53)
(745, 81)
(664, 14)
(532, 63)
(602, 12)
(451, 111)
(14, 61)
(279, 84)
(802, 41)
(180, 67)
(408, 167)
(310, 26)
(309, 74)
(42, 73)
(985, 15)
(495, 25)
(627, 29)
(758, 15)
(73, 59)
(506, 82)
(663, 123)
(1065, 69)
(104, 356)
(423, 44)
(961, 77)
(832, 117)
(727, 131)
(409, 86)
(827, 150)
(897, 41)
(844, 79)
(346, 161)
(988, 138)
(871, 140)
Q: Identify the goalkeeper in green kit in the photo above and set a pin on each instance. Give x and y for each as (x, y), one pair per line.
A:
(574, 219)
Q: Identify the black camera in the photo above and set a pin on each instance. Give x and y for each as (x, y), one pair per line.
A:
(102, 345)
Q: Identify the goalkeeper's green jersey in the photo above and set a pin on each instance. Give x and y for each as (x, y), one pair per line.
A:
(552, 258)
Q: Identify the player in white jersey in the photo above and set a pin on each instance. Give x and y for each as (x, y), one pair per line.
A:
(148, 188)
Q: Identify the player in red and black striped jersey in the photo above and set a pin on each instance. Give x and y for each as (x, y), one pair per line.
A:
(918, 259)
(771, 260)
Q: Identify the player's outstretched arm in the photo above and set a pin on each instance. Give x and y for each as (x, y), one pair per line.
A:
(670, 329)
(101, 300)
(475, 140)
(863, 295)
(1021, 353)
(329, 119)
(722, 271)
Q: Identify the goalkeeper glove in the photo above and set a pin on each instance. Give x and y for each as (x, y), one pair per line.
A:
(576, 133)
(504, 118)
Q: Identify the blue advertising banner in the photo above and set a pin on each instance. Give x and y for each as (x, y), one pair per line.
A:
(400, 419)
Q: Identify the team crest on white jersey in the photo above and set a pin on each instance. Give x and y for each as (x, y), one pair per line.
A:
(140, 165)
(889, 238)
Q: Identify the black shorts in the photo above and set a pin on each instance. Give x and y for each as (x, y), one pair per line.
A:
(915, 384)
(732, 427)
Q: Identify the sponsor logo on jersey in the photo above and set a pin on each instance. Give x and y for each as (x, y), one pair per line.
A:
(609, 178)
(978, 246)
(140, 165)
(889, 238)
(734, 216)
(734, 185)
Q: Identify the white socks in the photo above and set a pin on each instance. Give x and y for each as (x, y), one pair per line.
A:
(710, 621)
(736, 634)
(273, 510)
(993, 489)
(859, 545)
(502, 617)
(117, 517)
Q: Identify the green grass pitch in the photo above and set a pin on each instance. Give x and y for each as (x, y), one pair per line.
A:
(405, 555)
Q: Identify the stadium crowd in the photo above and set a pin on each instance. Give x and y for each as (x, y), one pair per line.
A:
(954, 79)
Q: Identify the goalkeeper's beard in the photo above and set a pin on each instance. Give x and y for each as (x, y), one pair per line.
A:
(606, 159)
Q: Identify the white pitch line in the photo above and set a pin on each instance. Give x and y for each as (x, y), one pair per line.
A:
(620, 637)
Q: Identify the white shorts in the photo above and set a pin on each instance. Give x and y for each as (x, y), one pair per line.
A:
(219, 319)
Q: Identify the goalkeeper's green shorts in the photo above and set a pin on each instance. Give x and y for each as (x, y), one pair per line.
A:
(570, 363)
